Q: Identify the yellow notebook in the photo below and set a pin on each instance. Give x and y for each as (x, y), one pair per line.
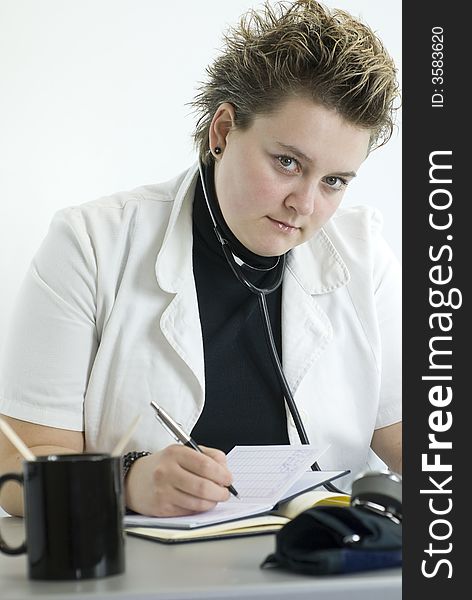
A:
(257, 525)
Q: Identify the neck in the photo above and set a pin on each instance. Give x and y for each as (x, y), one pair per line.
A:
(242, 254)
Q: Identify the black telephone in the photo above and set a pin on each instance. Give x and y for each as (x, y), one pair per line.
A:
(344, 539)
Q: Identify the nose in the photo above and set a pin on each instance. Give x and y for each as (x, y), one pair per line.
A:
(303, 199)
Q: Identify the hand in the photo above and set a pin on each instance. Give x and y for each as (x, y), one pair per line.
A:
(177, 481)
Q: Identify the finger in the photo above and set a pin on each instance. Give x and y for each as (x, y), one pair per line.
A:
(204, 466)
(199, 487)
(180, 503)
(215, 454)
(176, 503)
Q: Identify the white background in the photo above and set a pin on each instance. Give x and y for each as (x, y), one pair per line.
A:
(93, 100)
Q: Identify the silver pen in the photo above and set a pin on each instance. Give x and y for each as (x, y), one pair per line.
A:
(179, 434)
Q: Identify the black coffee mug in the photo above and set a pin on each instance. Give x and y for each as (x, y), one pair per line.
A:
(74, 512)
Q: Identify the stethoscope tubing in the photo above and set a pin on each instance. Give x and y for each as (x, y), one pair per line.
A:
(261, 294)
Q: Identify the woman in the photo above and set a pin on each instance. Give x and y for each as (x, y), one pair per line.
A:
(137, 296)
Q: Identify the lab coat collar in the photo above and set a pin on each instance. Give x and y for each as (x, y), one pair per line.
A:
(174, 264)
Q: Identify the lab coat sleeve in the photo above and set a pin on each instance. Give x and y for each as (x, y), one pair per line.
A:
(52, 337)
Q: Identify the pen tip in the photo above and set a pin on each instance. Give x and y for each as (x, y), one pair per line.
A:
(234, 492)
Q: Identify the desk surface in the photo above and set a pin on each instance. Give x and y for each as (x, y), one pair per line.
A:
(210, 570)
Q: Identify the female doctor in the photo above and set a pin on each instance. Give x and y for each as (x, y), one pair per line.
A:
(237, 295)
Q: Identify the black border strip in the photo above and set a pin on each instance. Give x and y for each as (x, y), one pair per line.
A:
(436, 234)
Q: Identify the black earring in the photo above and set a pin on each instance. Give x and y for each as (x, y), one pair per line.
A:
(217, 150)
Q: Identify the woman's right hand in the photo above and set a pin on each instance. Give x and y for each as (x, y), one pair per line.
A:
(177, 481)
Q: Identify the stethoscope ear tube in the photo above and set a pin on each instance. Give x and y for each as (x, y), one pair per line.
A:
(243, 279)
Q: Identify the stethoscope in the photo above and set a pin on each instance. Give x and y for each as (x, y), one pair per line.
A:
(261, 293)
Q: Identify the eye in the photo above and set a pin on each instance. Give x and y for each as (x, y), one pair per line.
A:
(288, 163)
(336, 183)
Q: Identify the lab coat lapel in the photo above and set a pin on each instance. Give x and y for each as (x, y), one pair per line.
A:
(313, 268)
(180, 322)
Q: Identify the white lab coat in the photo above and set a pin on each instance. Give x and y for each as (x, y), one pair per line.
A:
(107, 319)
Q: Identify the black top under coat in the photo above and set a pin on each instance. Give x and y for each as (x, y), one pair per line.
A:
(244, 404)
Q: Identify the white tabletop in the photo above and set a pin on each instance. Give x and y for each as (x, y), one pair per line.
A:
(222, 569)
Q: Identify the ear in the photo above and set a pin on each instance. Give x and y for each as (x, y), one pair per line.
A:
(221, 124)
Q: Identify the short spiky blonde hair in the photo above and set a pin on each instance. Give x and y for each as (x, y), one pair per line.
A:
(300, 48)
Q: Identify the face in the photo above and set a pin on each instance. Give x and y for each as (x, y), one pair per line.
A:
(279, 181)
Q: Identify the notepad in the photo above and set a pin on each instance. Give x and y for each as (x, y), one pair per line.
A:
(256, 525)
(263, 475)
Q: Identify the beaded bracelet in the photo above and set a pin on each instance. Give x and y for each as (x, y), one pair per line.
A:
(129, 459)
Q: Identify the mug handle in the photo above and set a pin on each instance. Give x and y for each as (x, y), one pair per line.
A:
(4, 547)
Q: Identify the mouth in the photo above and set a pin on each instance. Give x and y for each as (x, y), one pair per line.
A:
(283, 226)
